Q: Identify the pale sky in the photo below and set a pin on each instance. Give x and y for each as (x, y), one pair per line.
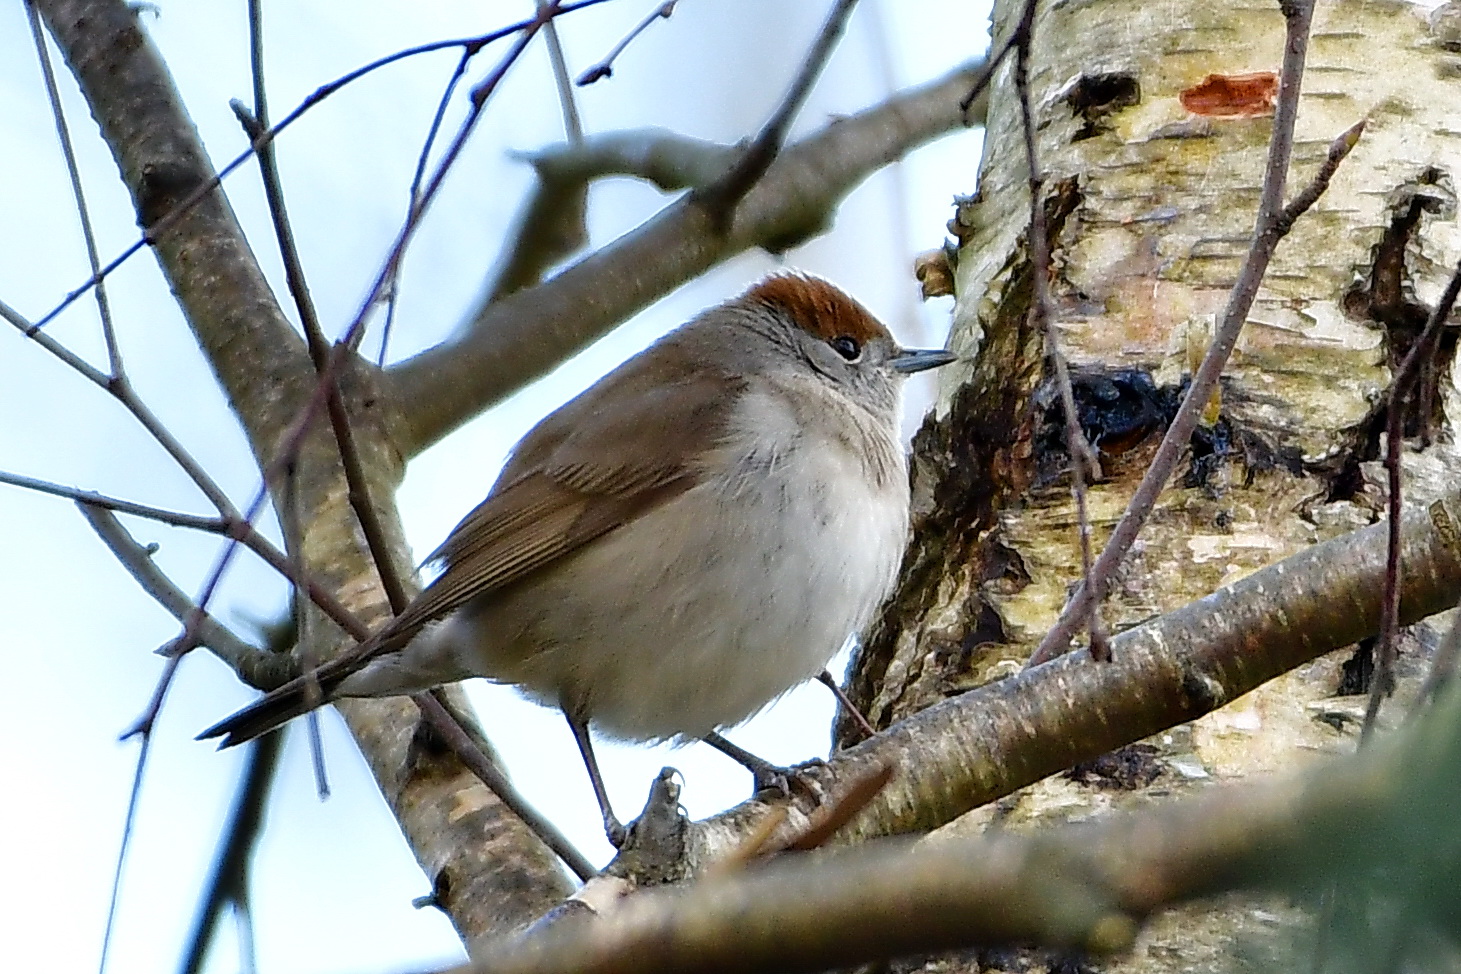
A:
(333, 881)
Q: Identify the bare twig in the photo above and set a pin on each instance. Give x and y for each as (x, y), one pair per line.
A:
(237, 530)
(720, 197)
(479, 97)
(1272, 224)
(848, 707)
(1083, 462)
(980, 83)
(567, 103)
(258, 667)
(229, 883)
(63, 135)
(473, 44)
(509, 342)
(355, 480)
(553, 223)
(393, 286)
(605, 67)
(455, 736)
(1402, 387)
(129, 822)
(212, 525)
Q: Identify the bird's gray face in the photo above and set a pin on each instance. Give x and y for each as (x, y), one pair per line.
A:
(868, 368)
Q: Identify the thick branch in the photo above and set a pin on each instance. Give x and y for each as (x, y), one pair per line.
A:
(490, 871)
(513, 341)
(982, 745)
(203, 253)
(551, 226)
(1078, 886)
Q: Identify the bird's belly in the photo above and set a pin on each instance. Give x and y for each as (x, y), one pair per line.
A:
(713, 606)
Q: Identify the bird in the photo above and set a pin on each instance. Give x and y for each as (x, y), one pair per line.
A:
(677, 546)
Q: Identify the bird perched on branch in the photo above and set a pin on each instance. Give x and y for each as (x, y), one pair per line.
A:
(676, 547)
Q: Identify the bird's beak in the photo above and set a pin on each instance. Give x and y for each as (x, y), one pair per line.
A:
(911, 360)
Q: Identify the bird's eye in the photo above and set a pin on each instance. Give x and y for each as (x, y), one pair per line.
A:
(847, 347)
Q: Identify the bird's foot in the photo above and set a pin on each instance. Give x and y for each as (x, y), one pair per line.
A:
(774, 781)
(614, 829)
(771, 780)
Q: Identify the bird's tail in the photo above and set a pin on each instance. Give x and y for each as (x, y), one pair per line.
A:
(275, 708)
(377, 667)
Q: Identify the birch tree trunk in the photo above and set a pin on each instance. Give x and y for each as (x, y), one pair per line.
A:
(1151, 208)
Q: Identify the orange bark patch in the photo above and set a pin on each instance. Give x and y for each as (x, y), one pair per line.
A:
(1232, 95)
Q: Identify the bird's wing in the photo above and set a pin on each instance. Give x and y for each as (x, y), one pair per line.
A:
(582, 472)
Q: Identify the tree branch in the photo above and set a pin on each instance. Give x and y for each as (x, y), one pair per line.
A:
(1079, 886)
(974, 748)
(1271, 225)
(509, 343)
(550, 226)
(258, 667)
(492, 872)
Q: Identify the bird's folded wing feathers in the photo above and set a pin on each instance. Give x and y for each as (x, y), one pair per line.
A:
(579, 474)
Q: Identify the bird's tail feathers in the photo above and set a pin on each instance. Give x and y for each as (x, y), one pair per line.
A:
(302, 694)
(274, 709)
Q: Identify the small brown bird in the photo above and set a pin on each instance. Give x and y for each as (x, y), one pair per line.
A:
(676, 547)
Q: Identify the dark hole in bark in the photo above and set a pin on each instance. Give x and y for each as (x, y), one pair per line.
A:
(1094, 97)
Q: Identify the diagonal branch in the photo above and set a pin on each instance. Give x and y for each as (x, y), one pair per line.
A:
(720, 197)
(508, 343)
(258, 667)
(1082, 886)
(971, 749)
(1270, 227)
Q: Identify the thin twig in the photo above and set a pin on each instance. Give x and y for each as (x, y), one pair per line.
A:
(722, 195)
(848, 707)
(567, 103)
(191, 634)
(212, 525)
(1272, 223)
(455, 736)
(479, 97)
(260, 668)
(552, 224)
(73, 170)
(240, 530)
(355, 479)
(229, 883)
(985, 75)
(413, 196)
(1401, 388)
(473, 44)
(129, 821)
(76, 362)
(605, 67)
(1083, 461)
(118, 386)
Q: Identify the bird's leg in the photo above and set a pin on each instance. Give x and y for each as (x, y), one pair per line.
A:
(767, 776)
(848, 707)
(613, 828)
